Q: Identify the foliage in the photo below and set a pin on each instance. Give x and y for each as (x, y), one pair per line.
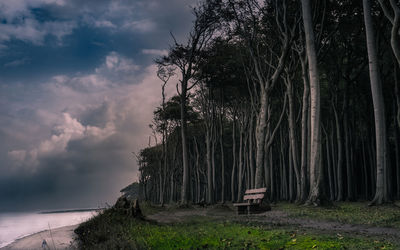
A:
(106, 231)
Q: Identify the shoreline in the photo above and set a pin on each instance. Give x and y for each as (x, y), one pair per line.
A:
(60, 238)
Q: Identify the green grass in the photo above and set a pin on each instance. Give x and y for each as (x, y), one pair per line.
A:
(111, 230)
(348, 212)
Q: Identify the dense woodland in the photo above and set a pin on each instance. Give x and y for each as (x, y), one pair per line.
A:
(298, 96)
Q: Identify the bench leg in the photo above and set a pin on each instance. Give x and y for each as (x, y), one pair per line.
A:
(241, 210)
(253, 209)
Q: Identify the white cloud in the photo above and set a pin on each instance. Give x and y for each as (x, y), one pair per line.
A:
(118, 63)
(111, 61)
(68, 130)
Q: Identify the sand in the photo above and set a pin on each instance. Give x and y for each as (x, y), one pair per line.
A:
(59, 238)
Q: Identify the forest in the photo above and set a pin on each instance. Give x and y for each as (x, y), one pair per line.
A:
(300, 97)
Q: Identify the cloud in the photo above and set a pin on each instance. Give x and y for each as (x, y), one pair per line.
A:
(104, 24)
(155, 52)
(144, 25)
(60, 22)
(32, 31)
(70, 129)
(71, 118)
(118, 63)
(114, 71)
(19, 22)
(95, 121)
(19, 156)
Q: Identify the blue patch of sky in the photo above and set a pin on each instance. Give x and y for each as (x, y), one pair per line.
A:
(82, 51)
(43, 15)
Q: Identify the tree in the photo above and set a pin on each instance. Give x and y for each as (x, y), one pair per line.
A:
(382, 192)
(184, 56)
(164, 74)
(256, 66)
(316, 195)
(257, 25)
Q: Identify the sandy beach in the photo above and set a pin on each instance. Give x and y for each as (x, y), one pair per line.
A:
(58, 238)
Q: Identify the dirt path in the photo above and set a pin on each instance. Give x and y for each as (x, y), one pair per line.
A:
(276, 218)
(167, 217)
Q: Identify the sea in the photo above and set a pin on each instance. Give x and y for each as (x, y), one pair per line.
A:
(14, 226)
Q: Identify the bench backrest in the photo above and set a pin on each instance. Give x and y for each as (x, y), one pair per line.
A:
(255, 195)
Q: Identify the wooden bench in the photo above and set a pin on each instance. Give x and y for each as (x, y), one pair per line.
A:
(252, 202)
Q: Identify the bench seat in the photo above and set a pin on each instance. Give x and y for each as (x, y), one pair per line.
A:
(241, 204)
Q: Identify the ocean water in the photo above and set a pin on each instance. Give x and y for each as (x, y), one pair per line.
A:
(17, 225)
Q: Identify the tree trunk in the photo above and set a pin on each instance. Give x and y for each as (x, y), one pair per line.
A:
(291, 185)
(397, 152)
(260, 139)
(172, 175)
(214, 185)
(304, 132)
(292, 136)
(210, 189)
(316, 195)
(349, 172)
(366, 184)
(185, 161)
(372, 163)
(271, 175)
(221, 143)
(329, 168)
(161, 193)
(233, 183)
(381, 192)
(340, 183)
(334, 163)
(397, 93)
(198, 185)
(240, 167)
(251, 153)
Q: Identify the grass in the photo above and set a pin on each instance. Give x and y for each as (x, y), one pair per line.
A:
(220, 235)
(111, 230)
(348, 212)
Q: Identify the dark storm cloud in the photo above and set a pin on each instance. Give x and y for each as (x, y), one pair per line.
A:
(77, 90)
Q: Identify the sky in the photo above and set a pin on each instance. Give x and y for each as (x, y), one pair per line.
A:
(78, 87)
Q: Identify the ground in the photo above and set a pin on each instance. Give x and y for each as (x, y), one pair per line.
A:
(59, 238)
(345, 225)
